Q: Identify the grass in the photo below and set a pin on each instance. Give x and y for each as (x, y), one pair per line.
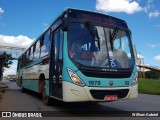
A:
(149, 86)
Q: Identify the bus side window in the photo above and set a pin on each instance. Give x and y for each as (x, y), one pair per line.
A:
(26, 60)
(31, 54)
(61, 45)
(19, 63)
(37, 50)
(23, 60)
(45, 44)
(55, 46)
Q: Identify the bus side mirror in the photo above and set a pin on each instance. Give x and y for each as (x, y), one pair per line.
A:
(65, 25)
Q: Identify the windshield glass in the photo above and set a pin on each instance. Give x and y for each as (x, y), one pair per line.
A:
(111, 49)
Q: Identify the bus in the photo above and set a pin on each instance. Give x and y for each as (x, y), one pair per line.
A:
(82, 56)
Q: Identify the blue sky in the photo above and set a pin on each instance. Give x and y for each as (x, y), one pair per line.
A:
(21, 21)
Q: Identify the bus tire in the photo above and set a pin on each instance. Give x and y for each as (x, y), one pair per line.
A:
(22, 89)
(46, 99)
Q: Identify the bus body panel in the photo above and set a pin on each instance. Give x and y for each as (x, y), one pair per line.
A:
(33, 85)
(30, 84)
(30, 77)
(35, 71)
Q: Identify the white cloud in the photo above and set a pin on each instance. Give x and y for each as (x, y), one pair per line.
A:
(10, 71)
(15, 41)
(152, 45)
(157, 58)
(1, 11)
(150, 5)
(154, 14)
(127, 6)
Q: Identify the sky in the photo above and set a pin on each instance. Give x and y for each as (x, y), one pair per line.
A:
(21, 21)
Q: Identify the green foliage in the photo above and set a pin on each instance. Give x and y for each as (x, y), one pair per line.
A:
(5, 60)
(151, 75)
(149, 86)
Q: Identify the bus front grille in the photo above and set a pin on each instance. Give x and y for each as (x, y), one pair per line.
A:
(100, 94)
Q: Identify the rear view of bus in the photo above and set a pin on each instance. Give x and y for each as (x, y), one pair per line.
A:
(98, 58)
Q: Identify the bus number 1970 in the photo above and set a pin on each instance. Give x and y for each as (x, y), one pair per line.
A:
(92, 83)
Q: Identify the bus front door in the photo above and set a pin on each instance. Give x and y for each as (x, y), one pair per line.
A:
(57, 64)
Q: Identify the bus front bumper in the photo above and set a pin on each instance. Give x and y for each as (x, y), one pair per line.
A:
(74, 93)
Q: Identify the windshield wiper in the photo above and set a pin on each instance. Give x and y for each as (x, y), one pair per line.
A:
(93, 31)
(113, 36)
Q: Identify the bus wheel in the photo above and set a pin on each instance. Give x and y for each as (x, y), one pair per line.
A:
(22, 88)
(45, 97)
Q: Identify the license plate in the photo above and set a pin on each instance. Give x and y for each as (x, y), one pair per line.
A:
(110, 98)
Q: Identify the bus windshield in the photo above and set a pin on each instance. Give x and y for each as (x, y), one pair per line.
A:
(99, 46)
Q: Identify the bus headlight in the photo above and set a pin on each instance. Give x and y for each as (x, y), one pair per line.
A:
(135, 80)
(74, 77)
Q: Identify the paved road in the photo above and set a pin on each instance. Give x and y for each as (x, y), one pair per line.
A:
(14, 100)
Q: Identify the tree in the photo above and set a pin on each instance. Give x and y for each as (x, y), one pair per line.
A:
(152, 75)
(5, 62)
